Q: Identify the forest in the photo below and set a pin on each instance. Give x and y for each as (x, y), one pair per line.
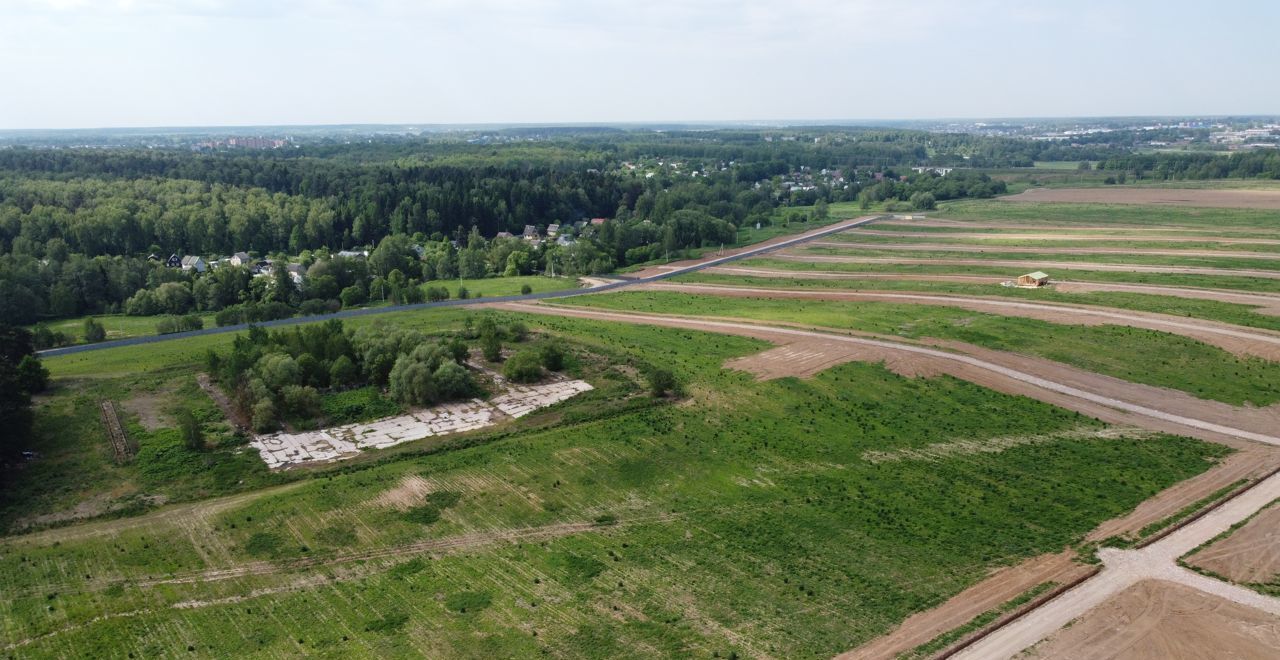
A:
(85, 231)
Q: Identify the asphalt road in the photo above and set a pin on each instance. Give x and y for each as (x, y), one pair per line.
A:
(744, 253)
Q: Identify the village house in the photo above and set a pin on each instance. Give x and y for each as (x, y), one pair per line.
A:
(353, 254)
(174, 261)
(531, 233)
(504, 234)
(193, 263)
(296, 273)
(553, 230)
(240, 259)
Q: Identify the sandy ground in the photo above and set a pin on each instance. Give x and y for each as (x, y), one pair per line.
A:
(1208, 197)
(1031, 264)
(1125, 568)
(1042, 236)
(834, 228)
(1266, 303)
(1235, 339)
(1007, 249)
(1159, 620)
(1250, 555)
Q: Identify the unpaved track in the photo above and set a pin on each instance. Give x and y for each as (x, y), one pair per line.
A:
(1266, 303)
(1011, 249)
(1105, 398)
(1163, 620)
(1047, 236)
(1124, 568)
(1033, 264)
(1204, 197)
(1235, 339)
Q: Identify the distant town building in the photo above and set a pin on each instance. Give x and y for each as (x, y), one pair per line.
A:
(194, 263)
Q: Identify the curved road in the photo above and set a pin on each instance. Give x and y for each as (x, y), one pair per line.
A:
(743, 253)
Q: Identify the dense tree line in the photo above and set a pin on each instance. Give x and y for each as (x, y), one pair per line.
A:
(1256, 164)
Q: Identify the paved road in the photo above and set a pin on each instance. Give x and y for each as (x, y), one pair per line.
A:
(1124, 568)
(742, 253)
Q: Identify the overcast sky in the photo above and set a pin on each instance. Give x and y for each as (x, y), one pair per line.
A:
(95, 63)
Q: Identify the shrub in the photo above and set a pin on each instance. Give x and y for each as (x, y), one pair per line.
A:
(343, 372)
(352, 296)
(491, 346)
(463, 294)
(523, 367)
(437, 293)
(174, 324)
(552, 356)
(300, 400)
(465, 601)
(517, 331)
(233, 315)
(264, 416)
(525, 289)
(661, 382)
(93, 331)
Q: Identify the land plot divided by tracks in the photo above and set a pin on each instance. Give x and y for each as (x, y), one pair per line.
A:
(1034, 264)
(1265, 303)
(1206, 197)
(1251, 554)
(979, 237)
(1234, 339)
(1007, 249)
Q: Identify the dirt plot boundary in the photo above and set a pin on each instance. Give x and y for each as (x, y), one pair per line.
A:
(1207, 510)
(121, 447)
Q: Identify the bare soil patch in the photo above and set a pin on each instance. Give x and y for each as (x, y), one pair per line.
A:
(1250, 554)
(149, 408)
(1157, 620)
(839, 275)
(1206, 197)
(1034, 226)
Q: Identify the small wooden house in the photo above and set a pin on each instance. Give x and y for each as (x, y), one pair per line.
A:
(1036, 279)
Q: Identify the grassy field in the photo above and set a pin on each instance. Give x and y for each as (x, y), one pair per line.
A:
(745, 519)
(1140, 356)
(1187, 307)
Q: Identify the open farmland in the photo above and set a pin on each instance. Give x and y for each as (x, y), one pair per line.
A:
(873, 462)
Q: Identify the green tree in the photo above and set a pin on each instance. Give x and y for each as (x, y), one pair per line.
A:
(190, 430)
(343, 372)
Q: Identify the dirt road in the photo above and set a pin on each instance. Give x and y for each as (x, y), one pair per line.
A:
(1125, 568)
(1010, 249)
(1034, 264)
(1235, 339)
(1206, 197)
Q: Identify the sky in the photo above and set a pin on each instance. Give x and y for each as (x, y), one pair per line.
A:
(146, 63)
